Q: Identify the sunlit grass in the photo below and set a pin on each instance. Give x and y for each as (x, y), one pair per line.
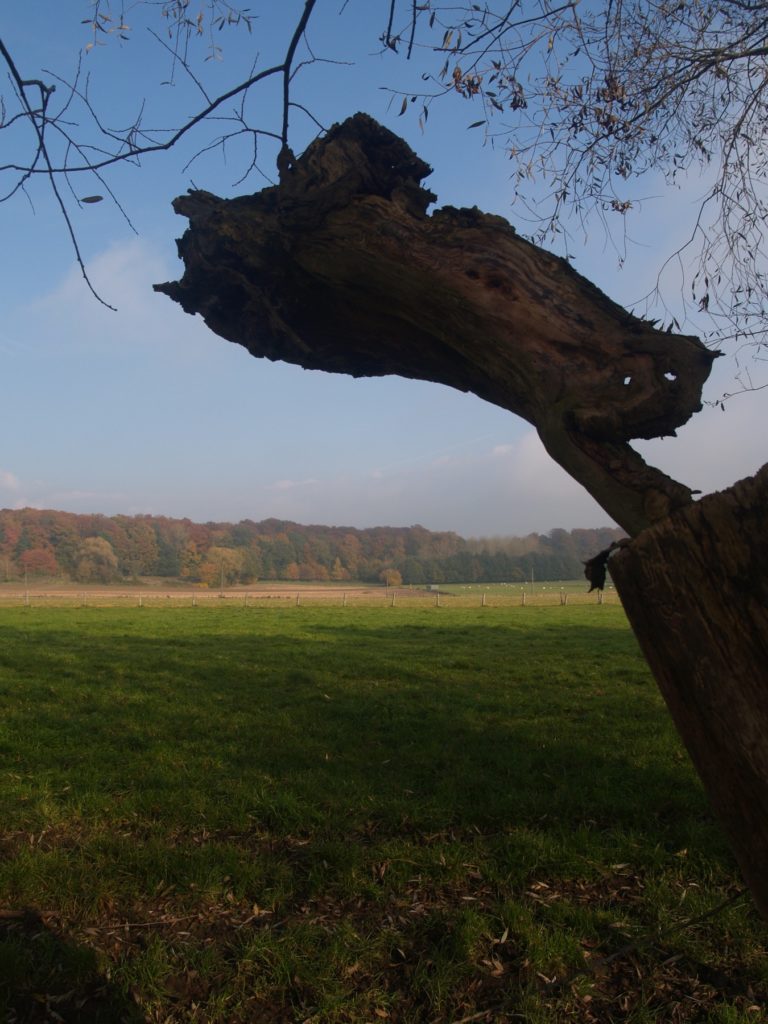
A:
(332, 814)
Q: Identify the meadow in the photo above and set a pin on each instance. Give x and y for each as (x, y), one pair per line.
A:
(346, 815)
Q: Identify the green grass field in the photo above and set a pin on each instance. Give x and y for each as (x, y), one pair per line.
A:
(326, 814)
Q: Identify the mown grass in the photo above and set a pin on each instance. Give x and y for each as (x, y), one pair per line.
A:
(353, 815)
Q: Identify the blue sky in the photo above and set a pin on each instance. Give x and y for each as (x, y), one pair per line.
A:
(145, 410)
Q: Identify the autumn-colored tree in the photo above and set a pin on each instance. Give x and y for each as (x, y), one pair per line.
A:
(190, 561)
(391, 577)
(252, 567)
(137, 549)
(313, 571)
(338, 572)
(10, 533)
(96, 561)
(443, 556)
(38, 562)
(350, 552)
(221, 566)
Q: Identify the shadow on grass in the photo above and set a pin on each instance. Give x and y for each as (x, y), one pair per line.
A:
(320, 813)
(298, 723)
(45, 977)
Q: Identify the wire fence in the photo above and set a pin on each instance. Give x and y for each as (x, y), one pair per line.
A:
(391, 597)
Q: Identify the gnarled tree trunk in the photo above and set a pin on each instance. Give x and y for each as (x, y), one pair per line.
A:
(340, 268)
(695, 588)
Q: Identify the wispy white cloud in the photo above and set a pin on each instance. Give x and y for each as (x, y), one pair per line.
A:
(119, 274)
(39, 495)
(500, 450)
(19, 493)
(511, 487)
(86, 501)
(504, 489)
(173, 422)
(289, 485)
(9, 481)
(68, 317)
(716, 447)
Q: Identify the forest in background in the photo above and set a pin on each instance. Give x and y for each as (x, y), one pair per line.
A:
(104, 549)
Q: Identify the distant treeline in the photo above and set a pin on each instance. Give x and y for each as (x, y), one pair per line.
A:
(95, 548)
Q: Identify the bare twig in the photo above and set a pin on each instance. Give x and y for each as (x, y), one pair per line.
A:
(38, 122)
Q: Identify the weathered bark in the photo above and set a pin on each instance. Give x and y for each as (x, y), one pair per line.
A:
(695, 588)
(340, 268)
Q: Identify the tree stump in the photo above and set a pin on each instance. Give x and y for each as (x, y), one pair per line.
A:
(695, 589)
